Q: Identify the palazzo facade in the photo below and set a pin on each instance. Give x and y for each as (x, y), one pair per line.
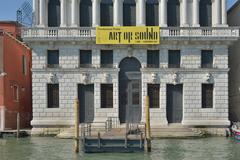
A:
(185, 76)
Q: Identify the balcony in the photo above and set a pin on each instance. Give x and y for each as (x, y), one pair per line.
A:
(172, 33)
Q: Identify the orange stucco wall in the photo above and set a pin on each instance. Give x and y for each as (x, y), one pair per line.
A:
(1, 69)
(13, 52)
(11, 27)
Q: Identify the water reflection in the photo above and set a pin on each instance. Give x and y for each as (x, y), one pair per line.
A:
(43, 148)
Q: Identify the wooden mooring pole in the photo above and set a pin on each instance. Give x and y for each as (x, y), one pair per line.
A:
(76, 110)
(18, 125)
(148, 146)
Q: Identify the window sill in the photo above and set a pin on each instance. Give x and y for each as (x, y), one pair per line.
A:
(52, 66)
(152, 67)
(107, 108)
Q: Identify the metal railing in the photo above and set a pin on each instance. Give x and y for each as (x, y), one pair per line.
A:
(90, 32)
(136, 128)
(112, 122)
(86, 129)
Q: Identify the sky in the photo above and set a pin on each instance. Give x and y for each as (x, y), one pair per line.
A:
(8, 8)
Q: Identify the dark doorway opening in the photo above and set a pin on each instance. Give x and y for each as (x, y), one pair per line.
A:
(174, 103)
(86, 102)
(130, 91)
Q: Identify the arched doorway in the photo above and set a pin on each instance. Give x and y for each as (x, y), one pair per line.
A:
(130, 109)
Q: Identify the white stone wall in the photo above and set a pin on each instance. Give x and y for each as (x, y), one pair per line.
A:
(234, 76)
(190, 75)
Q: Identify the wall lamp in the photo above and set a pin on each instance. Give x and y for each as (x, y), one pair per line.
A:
(2, 74)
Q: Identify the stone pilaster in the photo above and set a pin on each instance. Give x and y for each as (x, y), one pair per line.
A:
(42, 21)
(95, 13)
(63, 13)
(163, 15)
(195, 13)
(117, 12)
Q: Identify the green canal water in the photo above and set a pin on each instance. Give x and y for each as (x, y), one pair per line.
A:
(45, 148)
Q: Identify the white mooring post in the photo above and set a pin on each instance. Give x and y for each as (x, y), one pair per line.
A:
(18, 124)
(76, 110)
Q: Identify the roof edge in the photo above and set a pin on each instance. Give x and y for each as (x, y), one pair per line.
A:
(234, 6)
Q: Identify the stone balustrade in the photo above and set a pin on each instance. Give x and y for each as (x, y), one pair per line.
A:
(165, 32)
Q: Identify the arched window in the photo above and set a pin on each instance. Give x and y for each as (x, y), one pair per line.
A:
(129, 13)
(85, 13)
(173, 13)
(205, 13)
(152, 13)
(106, 13)
(54, 13)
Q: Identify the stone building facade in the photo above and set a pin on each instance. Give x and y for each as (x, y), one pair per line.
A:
(234, 50)
(179, 83)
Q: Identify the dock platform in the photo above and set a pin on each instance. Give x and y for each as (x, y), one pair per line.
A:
(120, 140)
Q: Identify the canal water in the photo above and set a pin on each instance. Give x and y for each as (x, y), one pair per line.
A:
(46, 148)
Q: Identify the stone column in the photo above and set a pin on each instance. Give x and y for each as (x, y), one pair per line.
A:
(63, 13)
(184, 22)
(35, 12)
(163, 10)
(74, 9)
(224, 13)
(217, 10)
(195, 13)
(117, 12)
(95, 13)
(142, 12)
(42, 13)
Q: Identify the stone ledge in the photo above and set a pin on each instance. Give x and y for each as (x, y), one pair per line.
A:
(218, 123)
(52, 122)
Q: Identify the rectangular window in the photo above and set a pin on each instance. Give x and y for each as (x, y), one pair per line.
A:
(153, 58)
(173, 13)
(85, 13)
(207, 59)
(54, 13)
(205, 13)
(129, 13)
(53, 58)
(174, 59)
(106, 96)
(106, 13)
(107, 58)
(153, 93)
(152, 13)
(24, 65)
(207, 95)
(85, 58)
(15, 93)
(53, 95)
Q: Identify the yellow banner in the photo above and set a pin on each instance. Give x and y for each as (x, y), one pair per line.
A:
(128, 35)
